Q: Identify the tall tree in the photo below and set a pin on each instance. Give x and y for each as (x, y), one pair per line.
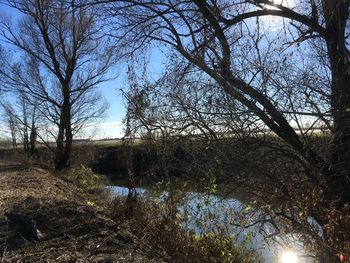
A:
(230, 42)
(11, 122)
(64, 58)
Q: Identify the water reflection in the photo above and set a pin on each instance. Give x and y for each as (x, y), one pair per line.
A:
(209, 213)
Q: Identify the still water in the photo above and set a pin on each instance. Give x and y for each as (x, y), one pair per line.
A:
(205, 213)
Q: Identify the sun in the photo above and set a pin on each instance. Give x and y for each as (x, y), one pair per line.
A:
(289, 257)
(286, 3)
(272, 22)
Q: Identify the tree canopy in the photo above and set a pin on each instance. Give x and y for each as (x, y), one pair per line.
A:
(291, 76)
(64, 57)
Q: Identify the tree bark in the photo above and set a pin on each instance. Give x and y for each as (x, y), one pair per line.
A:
(65, 137)
(336, 14)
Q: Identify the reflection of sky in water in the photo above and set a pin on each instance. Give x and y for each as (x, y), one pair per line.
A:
(123, 191)
(219, 213)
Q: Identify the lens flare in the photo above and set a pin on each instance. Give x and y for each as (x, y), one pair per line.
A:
(289, 257)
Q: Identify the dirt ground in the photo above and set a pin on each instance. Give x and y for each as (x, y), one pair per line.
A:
(73, 228)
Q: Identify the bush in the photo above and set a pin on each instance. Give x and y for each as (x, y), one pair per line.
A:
(86, 179)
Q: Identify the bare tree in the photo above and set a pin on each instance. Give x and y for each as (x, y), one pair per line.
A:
(286, 78)
(23, 120)
(11, 121)
(209, 34)
(65, 58)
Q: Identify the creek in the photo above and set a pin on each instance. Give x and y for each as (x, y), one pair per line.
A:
(203, 213)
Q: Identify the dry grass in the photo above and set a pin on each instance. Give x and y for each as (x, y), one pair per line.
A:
(75, 229)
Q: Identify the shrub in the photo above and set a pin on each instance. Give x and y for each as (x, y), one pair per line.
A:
(86, 179)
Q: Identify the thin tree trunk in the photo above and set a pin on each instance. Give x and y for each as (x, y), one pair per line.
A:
(33, 134)
(14, 141)
(25, 125)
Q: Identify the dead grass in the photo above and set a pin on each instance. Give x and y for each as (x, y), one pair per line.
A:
(74, 228)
